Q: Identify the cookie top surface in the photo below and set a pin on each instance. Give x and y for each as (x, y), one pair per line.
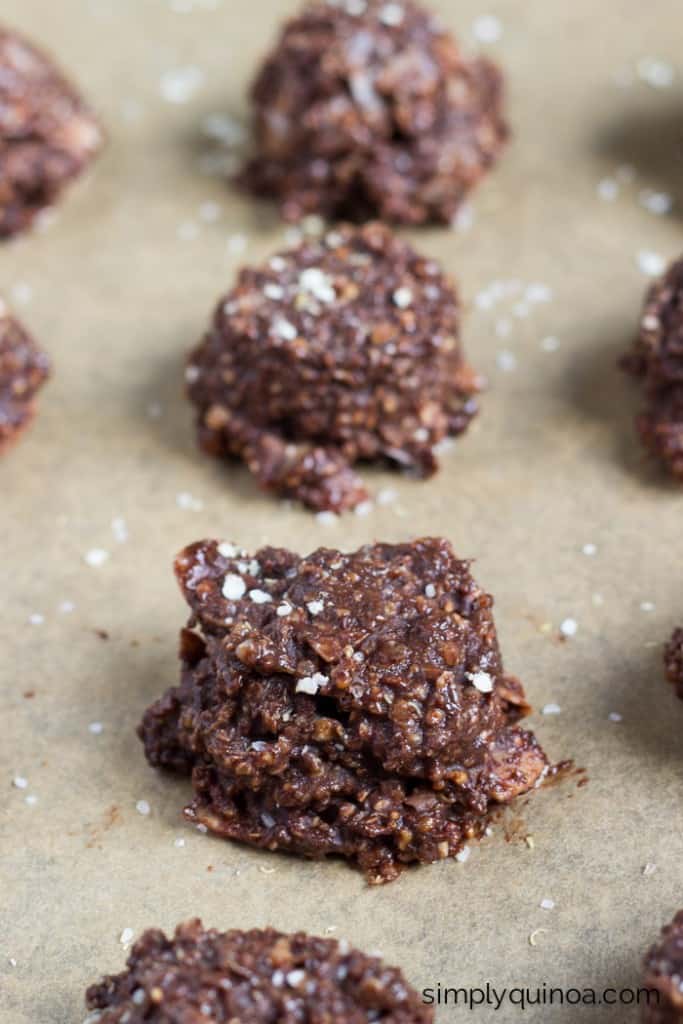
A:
(358, 298)
(399, 639)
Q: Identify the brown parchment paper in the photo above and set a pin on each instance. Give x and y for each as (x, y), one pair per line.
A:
(118, 288)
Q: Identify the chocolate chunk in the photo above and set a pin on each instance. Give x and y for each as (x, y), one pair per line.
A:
(23, 371)
(368, 109)
(47, 133)
(343, 349)
(657, 359)
(663, 972)
(673, 661)
(254, 977)
(348, 704)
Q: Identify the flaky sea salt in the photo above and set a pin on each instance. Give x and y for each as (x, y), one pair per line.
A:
(481, 680)
(96, 557)
(487, 28)
(234, 587)
(551, 709)
(311, 684)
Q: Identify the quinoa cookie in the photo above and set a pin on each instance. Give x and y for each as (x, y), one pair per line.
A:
(343, 349)
(47, 133)
(663, 973)
(254, 977)
(657, 360)
(23, 371)
(673, 661)
(365, 109)
(348, 704)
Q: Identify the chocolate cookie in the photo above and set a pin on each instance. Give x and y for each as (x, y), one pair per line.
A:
(657, 359)
(47, 133)
(349, 704)
(673, 660)
(663, 972)
(255, 977)
(23, 371)
(343, 349)
(368, 109)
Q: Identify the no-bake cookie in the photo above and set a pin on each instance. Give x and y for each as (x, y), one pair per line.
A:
(657, 360)
(23, 371)
(254, 977)
(343, 349)
(47, 133)
(349, 704)
(663, 973)
(673, 661)
(366, 108)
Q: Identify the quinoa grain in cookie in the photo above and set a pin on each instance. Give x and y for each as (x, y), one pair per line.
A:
(24, 369)
(657, 360)
(254, 977)
(368, 109)
(343, 704)
(47, 133)
(342, 350)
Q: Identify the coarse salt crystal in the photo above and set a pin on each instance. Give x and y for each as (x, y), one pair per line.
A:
(589, 549)
(507, 361)
(31, 799)
(650, 263)
(284, 609)
(126, 936)
(36, 619)
(274, 292)
(569, 627)
(403, 297)
(311, 684)
(487, 28)
(463, 855)
(295, 978)
(614, 716)
(96, 557)
(142, 807)
(649, 869)
(608, 189)
(547, 904)
(364, 509)
(179, 842)
(326, 518)
(96, 728)
(180, 84)
(318, 284)
(19, 782)
(481, 680)
(647, 606)
(120, 529)
(391, 15)
(551, 709)
(227, 550)
(315, 607)
(234, 587)
(260, 596)
(430, 590)
(285, 330)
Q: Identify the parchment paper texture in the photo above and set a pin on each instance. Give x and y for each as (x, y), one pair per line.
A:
(549, 492)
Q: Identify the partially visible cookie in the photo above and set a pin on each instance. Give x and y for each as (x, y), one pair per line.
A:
(367, 109)
(342, 350)
(663, 974)
(657, 360)
(254, 977)
(23, 370)
(673, 660)
(48, 135)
